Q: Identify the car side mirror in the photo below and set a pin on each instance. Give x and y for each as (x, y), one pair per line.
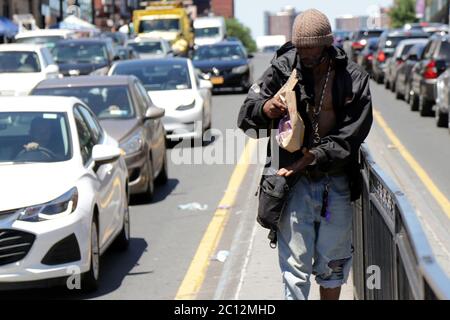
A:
(250, 56)
(413, 57)
(116, 58)
(205, 84)
(154, 112)
(52, 68)
(104, 154)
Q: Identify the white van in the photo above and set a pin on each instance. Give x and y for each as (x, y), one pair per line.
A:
(209, 30)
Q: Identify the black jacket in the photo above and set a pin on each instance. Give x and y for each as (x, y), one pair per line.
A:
(352, 103)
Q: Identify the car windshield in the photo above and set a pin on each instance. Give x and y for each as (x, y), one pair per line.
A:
(34, 137)
(147, 47)
(159, 25)
(207, 32)
(159, 76)
(19, 62)
(77, 52)
(48, 41)
(368, 34)
(107, 102)
(392, 42)
(222, 52)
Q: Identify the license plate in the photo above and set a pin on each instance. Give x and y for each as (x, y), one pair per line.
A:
(217, 80)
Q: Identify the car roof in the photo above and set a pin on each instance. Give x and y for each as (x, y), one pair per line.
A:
(86, 81)
(85, 40)
(144, 62)
(38, 103)
(413, 41)
(223, 43)
(21, 47)
(43, 32)
(405, 33)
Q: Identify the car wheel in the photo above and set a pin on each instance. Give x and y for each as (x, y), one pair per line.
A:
(407, 93)
(392, 86)
(122, 241)
(89, 280)
(151, 182)
(398, 94)
(424, 107)
(414, 102)
(441, 119)
(163, 176)
(386, 83)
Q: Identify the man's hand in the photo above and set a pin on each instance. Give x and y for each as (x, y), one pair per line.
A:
(298, 166)
(275, 108)
(31, 146)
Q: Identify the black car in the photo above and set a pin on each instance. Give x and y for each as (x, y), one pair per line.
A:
(126, 112)
(82, 56)
(225, 64)
(386, 47)
(365, 57)
(358, 40)
(434, 61)
(403, 83)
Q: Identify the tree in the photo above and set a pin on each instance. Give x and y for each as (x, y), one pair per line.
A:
(243, 33)
(402, 12)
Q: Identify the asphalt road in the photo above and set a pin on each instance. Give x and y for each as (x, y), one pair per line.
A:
(165, 238)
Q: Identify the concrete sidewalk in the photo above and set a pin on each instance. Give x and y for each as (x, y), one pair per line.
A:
(262, 277)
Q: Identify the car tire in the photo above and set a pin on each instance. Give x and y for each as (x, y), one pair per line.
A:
(151, 181)
(386, 84)
(122, 242)
(414, 103)
(441, 119)
(163, 175)
(398, 94)
(407, 93)
(424, 107)
(392, 86)
(89, 280)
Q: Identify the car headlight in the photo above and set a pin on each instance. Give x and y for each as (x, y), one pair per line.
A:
(186, 107)
(61, 206)
(133, 144)
(240, 69)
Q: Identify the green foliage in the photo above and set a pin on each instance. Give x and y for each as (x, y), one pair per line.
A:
(243, 33)
(402, 12)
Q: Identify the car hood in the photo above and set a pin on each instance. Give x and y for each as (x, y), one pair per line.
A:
(119, 129)
(207, 65)
(19, 83)
(83, 68)
(35, 183)
(172, 99)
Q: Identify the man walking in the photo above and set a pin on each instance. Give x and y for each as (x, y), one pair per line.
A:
(333, 98)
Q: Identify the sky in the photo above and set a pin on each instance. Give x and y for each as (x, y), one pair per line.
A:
(251, 12)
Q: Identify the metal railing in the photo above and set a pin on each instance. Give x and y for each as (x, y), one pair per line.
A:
(389, 239)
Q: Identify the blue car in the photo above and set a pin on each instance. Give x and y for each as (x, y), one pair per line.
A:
(226, 64)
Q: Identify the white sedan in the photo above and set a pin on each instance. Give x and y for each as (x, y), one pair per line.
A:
(173, 84)
(23, 66)
(64, 192)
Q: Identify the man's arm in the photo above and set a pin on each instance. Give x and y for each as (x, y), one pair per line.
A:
(252, 117)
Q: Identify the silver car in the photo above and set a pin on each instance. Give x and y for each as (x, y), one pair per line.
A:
(148, 48)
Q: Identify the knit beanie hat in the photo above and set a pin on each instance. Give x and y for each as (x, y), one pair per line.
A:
(312, 29)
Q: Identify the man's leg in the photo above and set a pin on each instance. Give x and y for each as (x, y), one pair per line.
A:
(296, 236)
(333, 251)
(330, 294)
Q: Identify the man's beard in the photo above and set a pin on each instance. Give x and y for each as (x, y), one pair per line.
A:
(311, 63)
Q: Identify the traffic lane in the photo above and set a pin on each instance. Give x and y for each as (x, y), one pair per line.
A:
(164, 238)
(427, 143)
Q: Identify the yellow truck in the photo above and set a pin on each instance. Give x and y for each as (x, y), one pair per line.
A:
(168, 20)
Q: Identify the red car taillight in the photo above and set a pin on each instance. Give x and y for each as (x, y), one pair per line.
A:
(357, 45)
(370, 57)
(381, 56)
(430, 70)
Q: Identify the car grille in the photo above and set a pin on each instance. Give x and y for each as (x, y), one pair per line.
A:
(223, 72)
(14, 245)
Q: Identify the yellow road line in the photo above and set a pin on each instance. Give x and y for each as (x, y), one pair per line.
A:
(421, 173)
(195, 275)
